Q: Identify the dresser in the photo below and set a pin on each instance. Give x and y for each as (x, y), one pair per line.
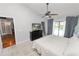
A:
(35, 34)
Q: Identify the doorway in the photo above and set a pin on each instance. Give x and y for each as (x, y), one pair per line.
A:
(7, 32)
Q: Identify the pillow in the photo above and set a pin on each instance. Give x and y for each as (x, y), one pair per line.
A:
(76, 35)
(73, 38)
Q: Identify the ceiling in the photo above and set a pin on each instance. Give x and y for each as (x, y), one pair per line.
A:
(63, 9)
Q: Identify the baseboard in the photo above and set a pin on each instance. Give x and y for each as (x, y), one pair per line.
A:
(23, 42)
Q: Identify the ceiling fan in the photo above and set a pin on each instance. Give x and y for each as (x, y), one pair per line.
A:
(48, 13)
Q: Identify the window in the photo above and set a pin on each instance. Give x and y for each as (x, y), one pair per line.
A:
(58, 28)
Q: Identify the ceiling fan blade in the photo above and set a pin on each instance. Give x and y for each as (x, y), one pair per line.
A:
(49, 16)
(43, 16)
(53, 14)
(47, 13)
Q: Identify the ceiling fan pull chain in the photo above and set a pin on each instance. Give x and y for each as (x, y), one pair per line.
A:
(47, 6)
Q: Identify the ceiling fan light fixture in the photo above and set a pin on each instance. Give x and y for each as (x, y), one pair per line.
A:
(47, 3)
(48, 13)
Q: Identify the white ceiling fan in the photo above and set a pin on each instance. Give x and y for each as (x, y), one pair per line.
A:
(48, 13)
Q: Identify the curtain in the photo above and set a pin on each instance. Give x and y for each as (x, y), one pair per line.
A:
(71, 22)
(50, 26)
(43, 28)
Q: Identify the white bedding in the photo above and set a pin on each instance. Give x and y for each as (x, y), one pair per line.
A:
(73, 48)
(51, 45)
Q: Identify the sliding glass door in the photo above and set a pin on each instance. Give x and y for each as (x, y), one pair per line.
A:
(55, 28)
(58, 28)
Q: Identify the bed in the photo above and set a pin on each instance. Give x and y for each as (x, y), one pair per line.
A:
(73, 47)
(51, 45)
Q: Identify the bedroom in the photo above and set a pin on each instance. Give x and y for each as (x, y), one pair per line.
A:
(42, 29)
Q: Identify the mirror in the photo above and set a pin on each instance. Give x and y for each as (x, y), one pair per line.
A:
(7, 32)
(36, 26)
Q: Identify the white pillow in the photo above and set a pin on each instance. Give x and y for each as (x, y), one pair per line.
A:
(76, 35)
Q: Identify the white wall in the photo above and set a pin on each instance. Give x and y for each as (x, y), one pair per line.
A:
(23, 18)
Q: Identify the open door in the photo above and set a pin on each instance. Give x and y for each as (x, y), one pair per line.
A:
(7, 32)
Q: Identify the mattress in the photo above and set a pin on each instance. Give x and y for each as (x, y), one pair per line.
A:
(51, 45)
